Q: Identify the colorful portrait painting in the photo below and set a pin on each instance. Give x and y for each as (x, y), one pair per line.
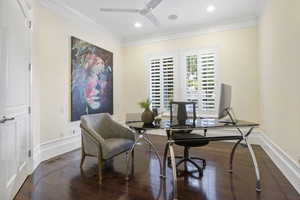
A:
(92, 79)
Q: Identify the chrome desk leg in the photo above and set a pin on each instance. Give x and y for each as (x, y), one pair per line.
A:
(156, 153)
(132, 161)
(165, 160)
(258, 184)
(130, 153)
(146, 136)
(173, 162)
(252, 154)
(232, 155)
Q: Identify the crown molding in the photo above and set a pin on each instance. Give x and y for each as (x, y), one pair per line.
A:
(72, 14)
(202, 30)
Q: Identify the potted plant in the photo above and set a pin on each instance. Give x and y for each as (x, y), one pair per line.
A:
(147, 115)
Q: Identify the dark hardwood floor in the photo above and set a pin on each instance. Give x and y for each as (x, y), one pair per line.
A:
(61, 178)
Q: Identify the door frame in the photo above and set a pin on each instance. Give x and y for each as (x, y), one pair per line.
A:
(27, 11)
(2, 184)
(26, 7)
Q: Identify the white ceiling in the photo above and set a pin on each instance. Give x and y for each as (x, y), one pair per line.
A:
(192, 14)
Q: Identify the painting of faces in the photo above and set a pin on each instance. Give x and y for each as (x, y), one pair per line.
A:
(92, 79)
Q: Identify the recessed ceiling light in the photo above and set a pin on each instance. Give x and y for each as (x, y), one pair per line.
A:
(172, 17)
(137, 25)
(211, 8)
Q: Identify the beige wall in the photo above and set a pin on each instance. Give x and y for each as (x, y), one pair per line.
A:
(276, 106)
(238, 67)
(279, 39)
(52, 72)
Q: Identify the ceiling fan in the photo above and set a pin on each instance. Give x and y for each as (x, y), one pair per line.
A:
(146, 11)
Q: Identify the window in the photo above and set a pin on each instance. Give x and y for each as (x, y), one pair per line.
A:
(194, 80)
(208, 81)
(200, 80)
(155, 80)
(162, 81)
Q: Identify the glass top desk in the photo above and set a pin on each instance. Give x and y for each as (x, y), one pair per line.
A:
(244, 129)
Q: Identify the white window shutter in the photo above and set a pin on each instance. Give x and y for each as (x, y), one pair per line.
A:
(198, 81)
(208, 82)
(192, 78)
(168, 80)
(162, 81)
(155, 82)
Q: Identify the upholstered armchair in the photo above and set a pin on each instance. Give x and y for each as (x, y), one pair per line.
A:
(104, 138)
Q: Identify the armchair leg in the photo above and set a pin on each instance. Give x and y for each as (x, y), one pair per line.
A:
(82, 158)
(132, 162)
(100, 169)
(127, 163)
(82, 153)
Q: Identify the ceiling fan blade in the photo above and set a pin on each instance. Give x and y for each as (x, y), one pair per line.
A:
(119, 10)
(152, 19)
(153, 4)
(150, 6)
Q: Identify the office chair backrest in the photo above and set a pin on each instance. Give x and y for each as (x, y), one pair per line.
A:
(182, 113)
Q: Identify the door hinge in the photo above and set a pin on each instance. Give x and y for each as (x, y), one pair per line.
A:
(29, 110)
(29, 24)
(29, 153)
(29, 66)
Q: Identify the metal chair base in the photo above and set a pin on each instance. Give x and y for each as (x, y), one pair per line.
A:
(185, 160)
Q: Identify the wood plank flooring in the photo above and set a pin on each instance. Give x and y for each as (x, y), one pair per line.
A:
(61, 178)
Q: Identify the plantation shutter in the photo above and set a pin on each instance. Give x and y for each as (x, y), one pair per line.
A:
(208, 82)
(195, 81)
(155, 82)
(162, 82)
(200, 80)
(192, 79)
(168, 81)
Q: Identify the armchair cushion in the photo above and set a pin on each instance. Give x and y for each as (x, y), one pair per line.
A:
(115, 146)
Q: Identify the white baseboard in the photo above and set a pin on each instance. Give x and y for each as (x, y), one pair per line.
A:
(284, 162)
(54, 148)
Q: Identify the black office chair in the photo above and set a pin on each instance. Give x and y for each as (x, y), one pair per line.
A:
(183, 116)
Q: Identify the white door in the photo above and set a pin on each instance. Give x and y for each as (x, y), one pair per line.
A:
(14, 96)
